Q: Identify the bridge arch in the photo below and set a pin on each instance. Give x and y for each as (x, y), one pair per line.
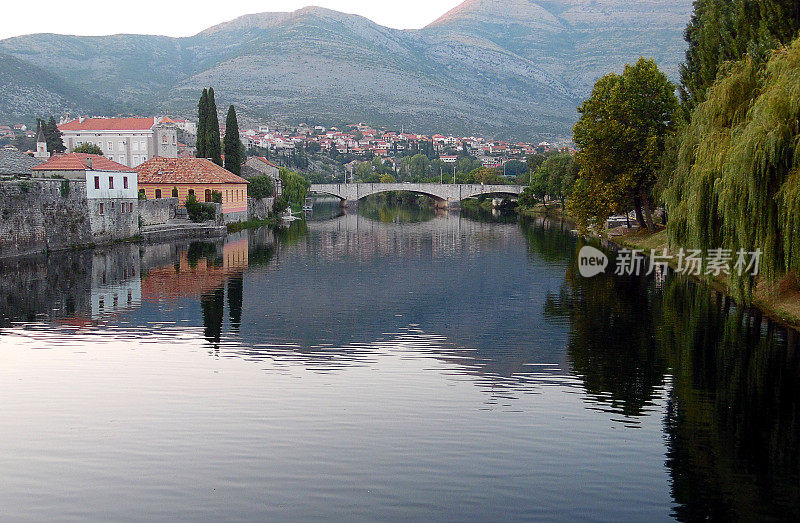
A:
(444, 194)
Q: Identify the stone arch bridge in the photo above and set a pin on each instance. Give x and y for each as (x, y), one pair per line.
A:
(444, 194)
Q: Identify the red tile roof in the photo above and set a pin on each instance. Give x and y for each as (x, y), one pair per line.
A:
(184, 170)
(77, 162)
(108, 124)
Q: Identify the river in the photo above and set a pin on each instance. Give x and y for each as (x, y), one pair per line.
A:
(386, 365)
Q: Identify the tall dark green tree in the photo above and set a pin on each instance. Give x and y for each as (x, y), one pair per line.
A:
(202, 115)
(234, 151)
(212, 141)
(726, 30)
(55, 144)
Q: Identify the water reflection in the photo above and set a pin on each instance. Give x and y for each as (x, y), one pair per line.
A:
(499, 306)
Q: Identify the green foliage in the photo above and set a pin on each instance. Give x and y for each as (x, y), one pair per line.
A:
(88, 148)
(364, 172)
(55, 144)
(281, 204)
(212, 142)
(515, 168)
(199, 211)
(737, 177)
(556, 176)
(216, 196)
(387, 178)
(295, 186)
(418, 165)
(234, 150)
(621, 135)
(488, 176)
(142, 195)
(202, 115)
(260, 187)
(727, 30)
(65, 187)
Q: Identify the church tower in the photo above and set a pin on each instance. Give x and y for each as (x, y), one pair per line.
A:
(41, 145)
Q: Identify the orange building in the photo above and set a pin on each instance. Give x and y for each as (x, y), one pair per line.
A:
(179, 177)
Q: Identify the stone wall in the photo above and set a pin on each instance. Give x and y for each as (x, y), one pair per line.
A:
(157, 212)
(113, 219)
(41, 215)
(51, 214)
(258, 208)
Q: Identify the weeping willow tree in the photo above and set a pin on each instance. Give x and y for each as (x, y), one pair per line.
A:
(737, 179)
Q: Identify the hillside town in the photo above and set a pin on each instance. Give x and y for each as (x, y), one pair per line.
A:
(145, 137)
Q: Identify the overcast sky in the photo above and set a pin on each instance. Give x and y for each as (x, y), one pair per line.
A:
(188, 17)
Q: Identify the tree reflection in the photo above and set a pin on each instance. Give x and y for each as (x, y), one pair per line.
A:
(235, 297)
(213, 307)
(733, 420)
(612, 342)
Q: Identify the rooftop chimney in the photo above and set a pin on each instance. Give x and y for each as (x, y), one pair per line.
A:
(89, 163)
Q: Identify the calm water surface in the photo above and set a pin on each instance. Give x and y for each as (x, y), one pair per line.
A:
(386, 366)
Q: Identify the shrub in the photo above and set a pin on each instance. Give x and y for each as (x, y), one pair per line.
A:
(216, 196)
(260, 187)
(281, 204)
(88, 148)
(199, 211)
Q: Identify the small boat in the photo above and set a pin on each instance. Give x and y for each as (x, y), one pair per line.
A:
(308, 205)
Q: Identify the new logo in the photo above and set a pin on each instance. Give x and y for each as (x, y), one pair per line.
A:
(591, 261)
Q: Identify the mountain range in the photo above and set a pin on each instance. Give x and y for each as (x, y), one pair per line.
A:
(503, 68)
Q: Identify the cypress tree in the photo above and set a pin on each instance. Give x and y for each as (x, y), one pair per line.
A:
(53, 136)
(233, 145)
(202, 113)
(212, 142)
(726, 30)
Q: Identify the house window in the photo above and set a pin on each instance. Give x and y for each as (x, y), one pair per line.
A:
(144, 159)
(208, 195)
(191, 192)
(122, 160)
(135, 159)
(121, 145)
(130, 207)
(174, 192)
(110, 146)
(97, 182)
(158, 193)
(124, 182)
(101, 209)
(110, 182)
(135, 146)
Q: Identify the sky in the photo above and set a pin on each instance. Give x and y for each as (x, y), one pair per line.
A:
(186, 18)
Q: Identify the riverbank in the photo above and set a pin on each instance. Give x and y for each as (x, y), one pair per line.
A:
(271, 221)
(778, 300)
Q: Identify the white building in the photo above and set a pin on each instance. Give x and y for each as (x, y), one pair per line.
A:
(112, 191)
(127, 141)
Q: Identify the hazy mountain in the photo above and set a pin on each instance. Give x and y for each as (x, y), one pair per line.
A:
(513, 68)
